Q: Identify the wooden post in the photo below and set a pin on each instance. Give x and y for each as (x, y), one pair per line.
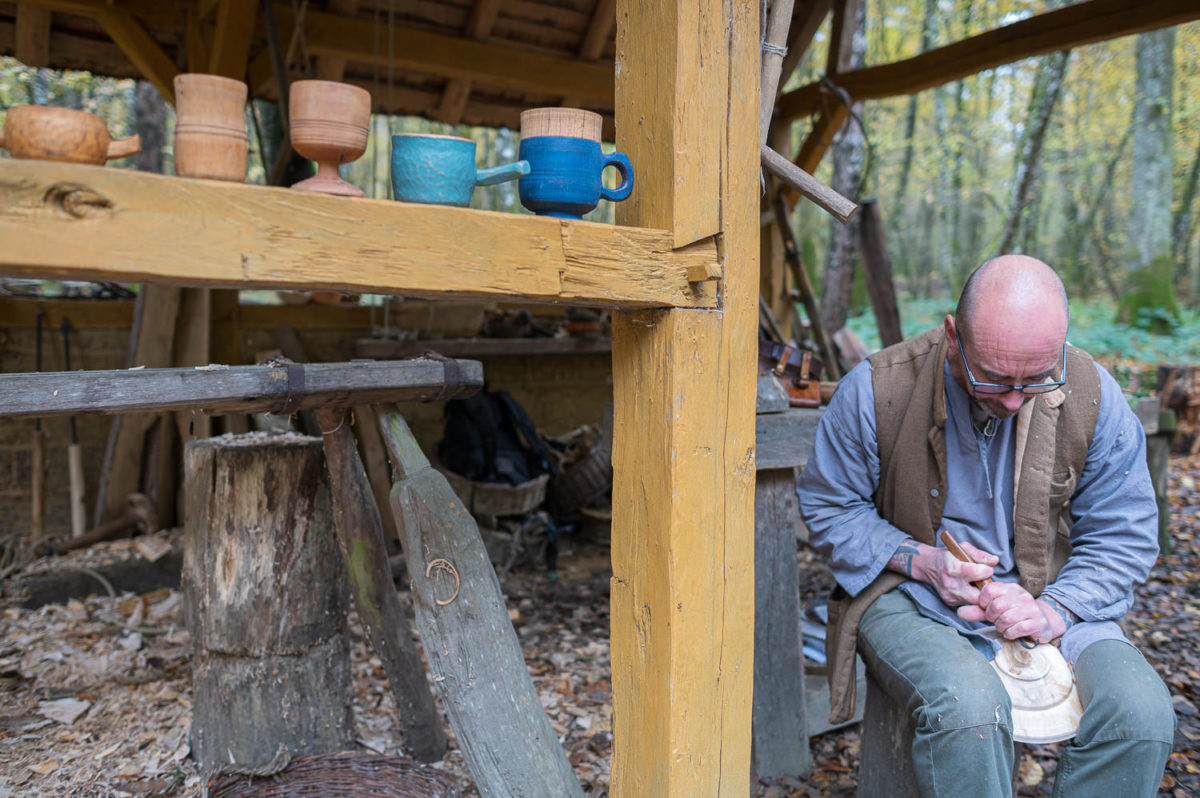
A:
(780, 719)
(469, 642)
(360, 536)
(263, 596)
(683, 391)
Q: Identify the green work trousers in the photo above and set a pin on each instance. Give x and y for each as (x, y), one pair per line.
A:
(963, 741)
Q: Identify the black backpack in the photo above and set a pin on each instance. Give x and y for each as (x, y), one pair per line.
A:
(488, 437)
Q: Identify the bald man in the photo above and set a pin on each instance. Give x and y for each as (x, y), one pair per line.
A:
(992, 427)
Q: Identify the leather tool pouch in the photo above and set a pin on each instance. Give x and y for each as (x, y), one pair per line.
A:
(797, 369)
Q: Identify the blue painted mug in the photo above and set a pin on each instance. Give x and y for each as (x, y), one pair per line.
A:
(564, 177)
(440, 170)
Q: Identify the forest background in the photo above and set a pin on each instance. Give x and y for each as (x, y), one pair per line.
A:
(1088, 159)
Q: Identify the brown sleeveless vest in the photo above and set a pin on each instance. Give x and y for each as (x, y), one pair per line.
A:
(1054, 431)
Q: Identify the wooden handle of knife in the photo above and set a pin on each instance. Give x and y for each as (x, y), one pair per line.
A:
(957, 550)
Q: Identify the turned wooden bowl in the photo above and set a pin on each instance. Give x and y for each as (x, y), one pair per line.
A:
(51, 133)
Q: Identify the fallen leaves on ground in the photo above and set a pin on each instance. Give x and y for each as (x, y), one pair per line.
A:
(95, 696)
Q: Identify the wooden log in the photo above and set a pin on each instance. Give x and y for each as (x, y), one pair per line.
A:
(877, 269)
(780, 717)
(360, 536)
(263, 591)
(219, 389)
(469, 641)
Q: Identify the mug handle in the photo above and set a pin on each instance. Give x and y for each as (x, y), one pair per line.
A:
(502, 173)
(621, 161)
(123, 148)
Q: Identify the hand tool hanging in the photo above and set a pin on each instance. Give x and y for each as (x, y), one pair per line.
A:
(38, 455)
(74, 455)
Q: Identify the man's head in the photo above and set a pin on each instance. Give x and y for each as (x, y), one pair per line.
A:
(1012, 321)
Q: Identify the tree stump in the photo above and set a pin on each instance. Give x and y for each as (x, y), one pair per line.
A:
(264, 598)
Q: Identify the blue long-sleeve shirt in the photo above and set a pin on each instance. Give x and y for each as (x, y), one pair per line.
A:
(1114, 532)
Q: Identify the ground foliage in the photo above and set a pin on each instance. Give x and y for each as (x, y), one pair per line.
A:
(95, 695)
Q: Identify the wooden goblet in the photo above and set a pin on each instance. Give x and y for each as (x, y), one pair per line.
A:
(329, 122)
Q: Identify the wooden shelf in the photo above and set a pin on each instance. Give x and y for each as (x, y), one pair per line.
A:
(381, 349)
(96, 223)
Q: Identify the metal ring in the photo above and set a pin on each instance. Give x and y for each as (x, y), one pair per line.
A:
(443, 564)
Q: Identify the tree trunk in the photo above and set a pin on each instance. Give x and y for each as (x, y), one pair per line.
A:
(1150, 211)
(1046, 88)
(151, 113)
(847, 181)
(264, 590)
(1182, 223)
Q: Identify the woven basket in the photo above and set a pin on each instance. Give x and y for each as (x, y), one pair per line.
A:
(582, 482)
(493, 499)
(346, 774)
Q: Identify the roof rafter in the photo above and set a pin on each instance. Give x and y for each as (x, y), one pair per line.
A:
(1083, 23)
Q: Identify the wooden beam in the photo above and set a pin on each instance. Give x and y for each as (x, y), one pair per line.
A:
(33, 36)
(499, 66)
(226, 389)
(231, 43)
(458, 90)
(332, 67)
(1064, 28)
(604, 18)
(820, 138)
(841, 36)
(197, 39)
(142, 50)
(95, 223)
(683, 393)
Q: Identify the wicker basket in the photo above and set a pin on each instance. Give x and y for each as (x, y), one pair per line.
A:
(582, 482)
(491, 499)
(346, 774)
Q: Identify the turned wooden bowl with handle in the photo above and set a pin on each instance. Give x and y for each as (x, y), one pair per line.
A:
(51, 133)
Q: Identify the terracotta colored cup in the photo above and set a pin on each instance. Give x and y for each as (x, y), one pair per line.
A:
(51, 133)
(329, 123)
(210, 127)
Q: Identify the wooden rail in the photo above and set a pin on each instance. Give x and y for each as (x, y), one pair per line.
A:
(96, 223)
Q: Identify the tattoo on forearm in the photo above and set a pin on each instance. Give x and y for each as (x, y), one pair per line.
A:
(1064, 613)
(902, 560)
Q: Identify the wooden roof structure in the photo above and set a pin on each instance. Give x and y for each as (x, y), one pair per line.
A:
(481, 62)
(680, 82)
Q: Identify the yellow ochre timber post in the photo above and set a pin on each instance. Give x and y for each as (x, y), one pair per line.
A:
(684, 383)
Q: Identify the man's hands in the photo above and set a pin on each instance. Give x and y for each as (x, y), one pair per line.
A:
(939, 569)
(1007, 605)
(1016, 613)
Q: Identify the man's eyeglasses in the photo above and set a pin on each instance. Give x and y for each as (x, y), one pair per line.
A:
(994, 388)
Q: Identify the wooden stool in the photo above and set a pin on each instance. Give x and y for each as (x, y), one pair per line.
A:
(885, 757)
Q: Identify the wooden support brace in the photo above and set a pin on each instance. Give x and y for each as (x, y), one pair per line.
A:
(360, 537)
(469, 642)
(142, 50)
(33, 36)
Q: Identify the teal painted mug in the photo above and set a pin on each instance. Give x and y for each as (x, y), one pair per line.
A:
(440, 170)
